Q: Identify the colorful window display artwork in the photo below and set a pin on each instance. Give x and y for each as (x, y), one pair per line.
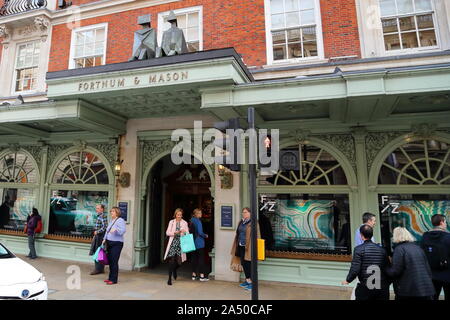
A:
(16, 205)
(73, 212)
(309, 225)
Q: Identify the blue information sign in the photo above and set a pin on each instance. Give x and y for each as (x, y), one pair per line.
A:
(227, 216)
(123, 206)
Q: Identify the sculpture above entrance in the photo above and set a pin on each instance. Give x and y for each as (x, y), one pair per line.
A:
(145, 44)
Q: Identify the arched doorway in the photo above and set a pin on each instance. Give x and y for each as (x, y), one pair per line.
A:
(171, 186)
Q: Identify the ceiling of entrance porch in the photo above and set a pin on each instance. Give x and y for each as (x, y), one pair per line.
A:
(148, 103)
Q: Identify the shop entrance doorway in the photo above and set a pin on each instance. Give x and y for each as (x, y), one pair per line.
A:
(177, 186)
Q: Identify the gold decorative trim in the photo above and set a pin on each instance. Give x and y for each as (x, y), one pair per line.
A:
(67, 238)
(309, 256)
(19, 233)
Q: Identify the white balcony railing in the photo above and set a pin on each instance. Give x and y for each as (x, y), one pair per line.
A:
(20, 6)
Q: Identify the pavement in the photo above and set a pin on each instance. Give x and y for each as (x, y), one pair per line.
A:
(68, 280)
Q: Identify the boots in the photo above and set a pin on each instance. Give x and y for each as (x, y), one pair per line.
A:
(169, 282)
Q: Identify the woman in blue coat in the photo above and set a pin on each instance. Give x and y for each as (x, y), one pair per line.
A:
(198, 256)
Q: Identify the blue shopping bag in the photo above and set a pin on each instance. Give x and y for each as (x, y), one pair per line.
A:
(95, 255)
(187, 243)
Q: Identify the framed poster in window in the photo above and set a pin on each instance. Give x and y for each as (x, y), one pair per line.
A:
(227, 216)
(124, 207)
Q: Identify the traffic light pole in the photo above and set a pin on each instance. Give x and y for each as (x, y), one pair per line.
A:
(253, 208)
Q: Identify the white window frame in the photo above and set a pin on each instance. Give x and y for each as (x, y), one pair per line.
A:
(83, 29)
(410, 50)
(269, 41)
(177, 12)
(14, 77)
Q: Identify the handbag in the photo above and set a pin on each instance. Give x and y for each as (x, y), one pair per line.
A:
(187, 243)
(102, 257)
(95, 255)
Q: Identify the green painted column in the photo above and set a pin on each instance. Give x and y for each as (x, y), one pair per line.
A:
(364, 201)
(141, 190)
(245, 196)
(43, 190)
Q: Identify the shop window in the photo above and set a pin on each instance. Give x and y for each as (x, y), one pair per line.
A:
(424, 162)
(306, 165)
(27, 65)
(18, 194)
(412, 211)
(408, 24)
(88, 46)
(305, 223)
(190, 21)
(73, 212)
(295, 29)
(81, 168)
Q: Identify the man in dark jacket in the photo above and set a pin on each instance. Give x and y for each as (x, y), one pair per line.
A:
(368, 264)
(436, 244)
(99, 232)
(410, 269)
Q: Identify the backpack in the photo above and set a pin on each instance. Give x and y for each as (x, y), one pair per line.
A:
(436, 252)
(38, 227)
(192, 229)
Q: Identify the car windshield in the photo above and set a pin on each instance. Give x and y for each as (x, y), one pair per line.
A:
(4, 253)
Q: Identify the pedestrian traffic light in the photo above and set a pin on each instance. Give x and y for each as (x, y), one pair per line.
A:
(230, 144)
(265, 145)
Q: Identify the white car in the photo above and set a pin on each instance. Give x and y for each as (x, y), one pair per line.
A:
(20, 280)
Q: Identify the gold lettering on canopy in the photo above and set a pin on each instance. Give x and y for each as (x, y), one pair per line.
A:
(113, 83)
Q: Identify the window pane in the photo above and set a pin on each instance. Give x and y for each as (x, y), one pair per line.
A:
(291, 5)
(100, 35)
(411, 211)
(193, 46)
(73, 212)
(409, 40)
(427, 38)
(307, 17)
(79, 51)
(278, 21)
(309, 49)
(425, 21)
(79, 63)
(181, 21)
(192, 20)
(276, 6)
(405, 6)
(392, 42)
(279, 52)
(80, 38)
(89, 49)
(422, 5)
(306, 4)
(15, 206)
(292, 19)
(407, 24)
(88, 62)
(99, 48)
(387, 7)
(98, 61)
(294, 35)
(389, 25)
(295, 50)
(309, 34)
(279, 37)
(307, 222)
(89, 36)
(192, 34)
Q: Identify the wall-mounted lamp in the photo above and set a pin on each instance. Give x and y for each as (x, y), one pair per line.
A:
(226, 177)
(123, 179)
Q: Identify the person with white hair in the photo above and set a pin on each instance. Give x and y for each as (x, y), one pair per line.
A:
(410, 269)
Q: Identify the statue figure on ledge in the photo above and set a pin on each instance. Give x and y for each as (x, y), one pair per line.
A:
(145, 44)
(173, 41)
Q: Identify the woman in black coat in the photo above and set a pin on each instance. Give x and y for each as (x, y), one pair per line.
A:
(410, 269)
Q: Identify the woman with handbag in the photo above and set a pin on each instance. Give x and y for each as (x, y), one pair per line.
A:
(33, 226)
(177, 227)
(242, 248)
(114, 244)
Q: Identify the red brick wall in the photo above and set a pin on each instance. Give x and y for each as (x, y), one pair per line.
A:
(340, 28)
(232, 23)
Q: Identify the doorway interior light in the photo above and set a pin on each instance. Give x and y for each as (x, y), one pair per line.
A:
(221, 170)
(123, 178)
